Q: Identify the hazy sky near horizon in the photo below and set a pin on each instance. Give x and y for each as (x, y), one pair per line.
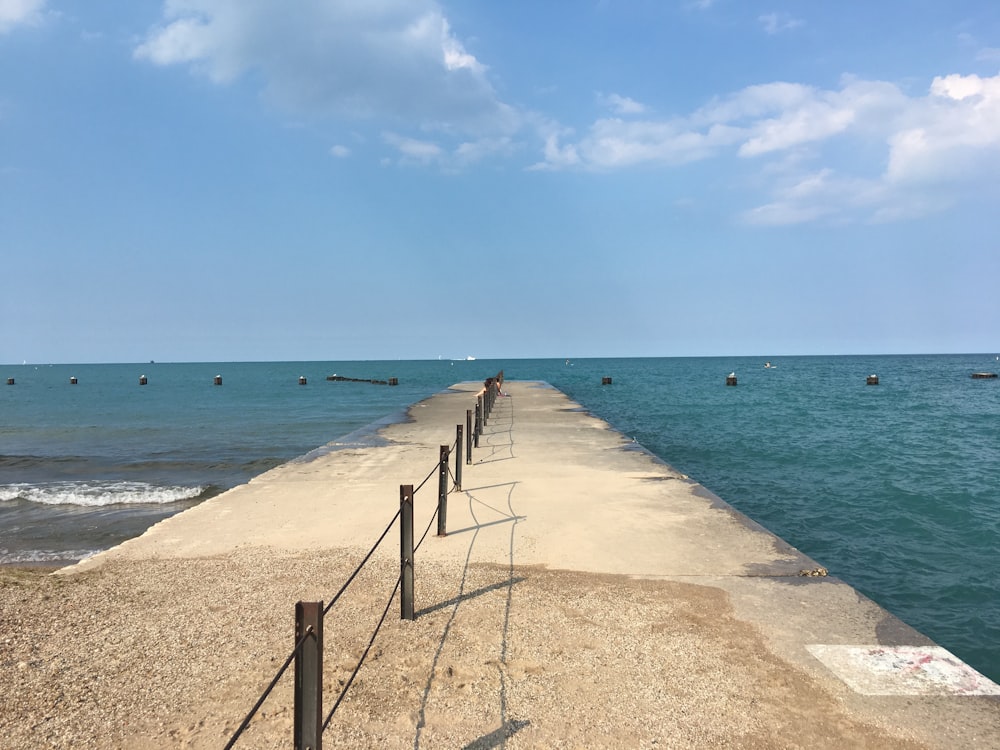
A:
(187, 180)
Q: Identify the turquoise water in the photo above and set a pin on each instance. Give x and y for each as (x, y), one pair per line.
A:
(892, 487)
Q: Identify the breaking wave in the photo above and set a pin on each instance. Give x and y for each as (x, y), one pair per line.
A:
(98, 493)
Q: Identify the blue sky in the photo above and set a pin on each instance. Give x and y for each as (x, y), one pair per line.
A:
(190, 180)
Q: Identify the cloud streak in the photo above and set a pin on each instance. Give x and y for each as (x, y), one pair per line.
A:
(398, 65)
(949, 134)
(777, 23)
(391, 60)
(19, 13)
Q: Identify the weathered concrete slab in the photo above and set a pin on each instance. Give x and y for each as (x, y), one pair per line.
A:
(553, 488)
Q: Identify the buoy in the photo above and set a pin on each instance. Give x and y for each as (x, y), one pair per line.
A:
(731, 378)
(72, 381)
(217, 380)
(143, 380)
(302, 379)
(605, 381)
(871, 380)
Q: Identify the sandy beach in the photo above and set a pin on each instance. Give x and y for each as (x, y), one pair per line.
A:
(586, 595)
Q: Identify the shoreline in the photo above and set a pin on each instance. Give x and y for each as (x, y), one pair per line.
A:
(568, 556)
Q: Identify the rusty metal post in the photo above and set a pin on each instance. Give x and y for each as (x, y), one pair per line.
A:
(443, 491)
(479, 423)
(458, 457)
(309, 676)
(468, 436)
(406, 552)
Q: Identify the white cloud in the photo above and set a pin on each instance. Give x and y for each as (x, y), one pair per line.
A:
(17, 12)
(394, 60)
(818, 195)
(911, 145)
(423, 152)
(988, 54)
(557, 156)
(775, 23)
(614, 143)
(469, 152)
(413, 150)
(949, 137)
(621, 105)
(955, 132)
(843, 150)
(758, 120)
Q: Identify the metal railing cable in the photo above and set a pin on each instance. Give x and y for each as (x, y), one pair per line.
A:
(433, 472)
(364, 655)
(291, 657)
(268, 689)
(310, 631)
(426, 531)
(362, 563)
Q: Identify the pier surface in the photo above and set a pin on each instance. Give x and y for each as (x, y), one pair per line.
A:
(586, 595)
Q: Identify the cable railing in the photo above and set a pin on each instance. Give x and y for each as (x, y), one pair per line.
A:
(307, 653)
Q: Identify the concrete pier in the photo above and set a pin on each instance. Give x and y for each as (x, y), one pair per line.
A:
(586, 595)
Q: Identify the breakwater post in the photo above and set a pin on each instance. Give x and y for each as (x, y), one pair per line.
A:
(479, 418)
(443, 491)
(406, 552)
(308, 731)
(871, 380)
(458, 457)
(468, 436)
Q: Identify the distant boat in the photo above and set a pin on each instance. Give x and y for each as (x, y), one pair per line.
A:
(470, 358)
(768, 366)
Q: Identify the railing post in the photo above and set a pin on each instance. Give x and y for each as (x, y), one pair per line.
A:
(308, 732)
(468, 436)
(458, 457)
(443, 491)
(406, 551)
(479, 419)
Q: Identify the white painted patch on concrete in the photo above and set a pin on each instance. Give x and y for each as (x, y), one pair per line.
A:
(903, 670)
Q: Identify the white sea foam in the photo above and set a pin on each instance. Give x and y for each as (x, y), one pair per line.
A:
(34, 556)
(98, 493)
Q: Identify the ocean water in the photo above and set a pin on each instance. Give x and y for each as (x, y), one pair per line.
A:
(894, 488)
